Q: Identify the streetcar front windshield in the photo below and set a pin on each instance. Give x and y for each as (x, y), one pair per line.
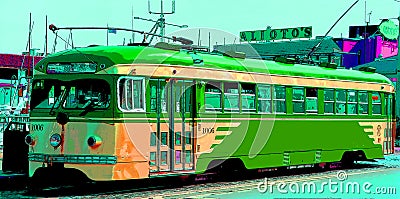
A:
(77, 94)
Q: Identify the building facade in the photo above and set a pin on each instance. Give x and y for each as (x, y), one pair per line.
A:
(13, 78)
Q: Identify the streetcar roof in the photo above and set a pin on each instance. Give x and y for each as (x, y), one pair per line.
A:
(116, 55)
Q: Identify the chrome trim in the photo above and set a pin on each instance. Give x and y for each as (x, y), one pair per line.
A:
(73, 159)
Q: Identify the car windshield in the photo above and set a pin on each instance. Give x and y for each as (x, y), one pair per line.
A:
(77, 94)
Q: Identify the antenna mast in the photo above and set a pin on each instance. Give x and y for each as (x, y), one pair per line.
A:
(161, 20)
(160, 23)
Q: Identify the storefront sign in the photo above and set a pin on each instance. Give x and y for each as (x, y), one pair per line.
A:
(276, 34)
(389, 29)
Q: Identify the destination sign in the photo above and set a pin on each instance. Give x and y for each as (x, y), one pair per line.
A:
(71, 68)
(276, 34)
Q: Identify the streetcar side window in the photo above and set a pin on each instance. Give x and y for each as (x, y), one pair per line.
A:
(188, 137)
(189, 88)
(153, 139)
(248, 96)
(264, 98)
(178, 138)
(153, 95)
(387, 108)
(352, 102)
(178, 158)
(152, 158)
(376, 103)
(362, 102)
(131, 94)
(213, 96)
(188, 156)
(164, 157)
(298, 100)
(279, 99)
(157, 91)
(340, 101)
(329, 101)
(164, 138)
(231, 97)
(312, 100)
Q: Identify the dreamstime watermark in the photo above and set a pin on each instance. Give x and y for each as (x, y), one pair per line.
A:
(338, 185)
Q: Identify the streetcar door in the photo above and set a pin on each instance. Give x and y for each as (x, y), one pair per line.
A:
(180, 100)
(171, 139)
(388, 137)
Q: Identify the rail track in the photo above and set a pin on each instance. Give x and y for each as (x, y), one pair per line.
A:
(175, 187)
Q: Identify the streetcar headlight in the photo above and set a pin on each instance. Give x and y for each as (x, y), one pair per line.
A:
(30, 140)
(55, 140)
(94, 141)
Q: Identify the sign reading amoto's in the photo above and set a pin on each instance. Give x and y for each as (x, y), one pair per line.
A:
(389, 29)
(276, 34)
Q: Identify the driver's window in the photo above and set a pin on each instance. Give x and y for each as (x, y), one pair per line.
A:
(47, 95)
(91, 93)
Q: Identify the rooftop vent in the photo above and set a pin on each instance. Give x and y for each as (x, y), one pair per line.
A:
(234, 54)
(328, 65)
(167, 46)
(285, 60)
(138, 44)
(367, 69)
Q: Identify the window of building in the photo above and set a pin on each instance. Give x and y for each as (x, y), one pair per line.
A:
(340, 101)
(279, 99)
(248, 96)
(213, 96)
(264, 98)
(298, 100)
(351, 102)
(231, 97)
(131, 94)
(376, 103)
(362, 102)
(312, 100)
(329, 101)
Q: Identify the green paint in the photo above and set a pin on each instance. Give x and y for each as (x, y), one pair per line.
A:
(300, 138)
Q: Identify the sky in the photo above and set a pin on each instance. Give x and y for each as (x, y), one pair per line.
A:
(224, 19)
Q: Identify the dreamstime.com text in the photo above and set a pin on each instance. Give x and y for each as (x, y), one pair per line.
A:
(338, 185)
